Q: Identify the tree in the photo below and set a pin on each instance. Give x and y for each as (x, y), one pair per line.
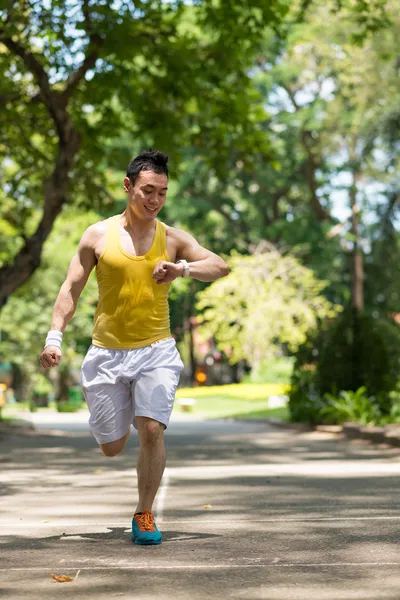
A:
(24, 320)
(76, 72)
(339, 102)
(267, 302)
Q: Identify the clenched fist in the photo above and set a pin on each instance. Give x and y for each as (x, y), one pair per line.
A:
(50, 357)
(165, 272)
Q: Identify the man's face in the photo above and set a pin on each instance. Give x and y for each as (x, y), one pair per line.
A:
(148, 194)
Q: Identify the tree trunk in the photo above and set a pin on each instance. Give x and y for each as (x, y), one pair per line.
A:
(357, 271)
(55, 100)
(188, 317)
(63, 384)
(21, 384)
(357, 284)
(27, 260)
(310, 169)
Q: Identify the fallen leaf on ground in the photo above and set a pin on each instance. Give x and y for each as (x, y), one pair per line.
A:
(98, 471)
(61, 578)
(207, 506)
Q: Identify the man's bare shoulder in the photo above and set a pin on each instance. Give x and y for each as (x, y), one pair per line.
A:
(94, 233)
(178, 235)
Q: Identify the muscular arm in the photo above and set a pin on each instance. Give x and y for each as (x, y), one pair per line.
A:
(79, 270)
(204, 264)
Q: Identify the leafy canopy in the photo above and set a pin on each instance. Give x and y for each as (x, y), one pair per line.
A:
(268, 300)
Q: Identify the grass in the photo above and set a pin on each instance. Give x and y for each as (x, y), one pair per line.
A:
(7, 419)
(244, 401)
(15, 410)
(241, 401)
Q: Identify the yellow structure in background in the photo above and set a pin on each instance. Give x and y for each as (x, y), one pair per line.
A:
(3, 388)
(248, 391)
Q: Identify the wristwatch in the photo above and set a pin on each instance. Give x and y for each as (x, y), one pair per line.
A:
(186, 267)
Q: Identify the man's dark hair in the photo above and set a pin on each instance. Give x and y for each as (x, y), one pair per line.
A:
(149, 160)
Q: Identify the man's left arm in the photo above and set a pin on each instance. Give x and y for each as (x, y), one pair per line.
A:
(203, 264)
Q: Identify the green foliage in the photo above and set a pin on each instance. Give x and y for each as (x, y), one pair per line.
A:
(394, 403)
(354, 353)
(41, 385)
(304, 401)
(25, 319)
(264, 125)
(345, 356)
(356, 407)
(382, 265)
(266, 301)
(273, 370)
(169, 74)
(304, 409)
(67, 407)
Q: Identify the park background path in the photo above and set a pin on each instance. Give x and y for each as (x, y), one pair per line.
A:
(246, 510)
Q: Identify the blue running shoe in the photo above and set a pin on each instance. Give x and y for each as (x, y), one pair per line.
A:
(144, 529)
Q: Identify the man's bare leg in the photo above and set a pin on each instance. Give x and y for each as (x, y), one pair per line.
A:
(114, 448)
(151, 461)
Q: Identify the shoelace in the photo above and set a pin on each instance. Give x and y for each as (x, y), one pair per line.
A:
(145, 521)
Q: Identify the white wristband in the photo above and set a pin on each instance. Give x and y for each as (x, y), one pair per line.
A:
(54, 338)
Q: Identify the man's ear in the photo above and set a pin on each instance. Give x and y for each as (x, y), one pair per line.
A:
(127, 184)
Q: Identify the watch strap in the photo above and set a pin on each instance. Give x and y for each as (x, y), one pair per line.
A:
(186, 267)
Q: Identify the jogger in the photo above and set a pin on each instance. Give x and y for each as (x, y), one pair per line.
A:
(131, 371)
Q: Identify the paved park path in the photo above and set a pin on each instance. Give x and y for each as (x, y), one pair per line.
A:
(290, 516)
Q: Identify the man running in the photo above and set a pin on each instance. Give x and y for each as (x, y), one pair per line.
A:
(131, 371)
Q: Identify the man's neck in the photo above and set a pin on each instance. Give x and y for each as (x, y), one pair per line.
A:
(133, 223)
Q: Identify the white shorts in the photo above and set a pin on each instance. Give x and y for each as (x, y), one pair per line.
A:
(120, 385)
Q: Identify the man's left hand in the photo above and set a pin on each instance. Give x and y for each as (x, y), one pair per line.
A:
(165, 272)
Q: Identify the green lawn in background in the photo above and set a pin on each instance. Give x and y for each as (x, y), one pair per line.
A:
(244, 401)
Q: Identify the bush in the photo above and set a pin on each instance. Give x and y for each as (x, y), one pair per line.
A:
(354, 354)
(304, 408)
(351, 406)
(67, 407)
(393, 399)
(304, 403)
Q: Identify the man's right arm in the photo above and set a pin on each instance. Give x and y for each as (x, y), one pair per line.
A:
(79, 270)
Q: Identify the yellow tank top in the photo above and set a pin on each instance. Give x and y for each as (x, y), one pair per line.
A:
(133, 310)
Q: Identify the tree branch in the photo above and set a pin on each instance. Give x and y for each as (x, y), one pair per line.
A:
(54, 103)
(77, 76)
(34, 67)
(27, 260)
(311, 164)
(239, 224)
(320, 212)
(93, 51)
(394, 199)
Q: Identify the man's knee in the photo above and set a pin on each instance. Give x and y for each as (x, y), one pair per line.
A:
(150, 431)
(110, 449)
(114, 448)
